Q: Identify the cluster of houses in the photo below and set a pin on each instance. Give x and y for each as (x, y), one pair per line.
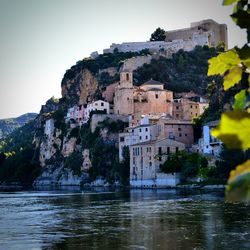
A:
(159, 125)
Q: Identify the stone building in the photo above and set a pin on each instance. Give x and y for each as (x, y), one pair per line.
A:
(145, 160)
(185, 109)
(147, 99)
(205, 32)
(123, 100)
(177, 130)
(215, 32)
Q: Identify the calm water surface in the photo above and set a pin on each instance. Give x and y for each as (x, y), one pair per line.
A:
(137, 219)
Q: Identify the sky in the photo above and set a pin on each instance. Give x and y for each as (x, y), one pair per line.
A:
(40, 40)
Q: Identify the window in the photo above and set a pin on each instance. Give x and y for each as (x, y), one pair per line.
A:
(191, 106)
(140, 137)
(127, 77)
(176, 149)
(121, 139)
(179, 129)
(127, 98)
(146, 137)
(159, 150)
(196, 114)
(177, 107)
(186, 135)
(156, 96)
(134, 160)
(180, 135)
(146, 129)
(168, 150)
(102, 104)
(150, 164)
(177, 115)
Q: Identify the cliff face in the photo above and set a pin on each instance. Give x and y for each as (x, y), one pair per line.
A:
(81, 88)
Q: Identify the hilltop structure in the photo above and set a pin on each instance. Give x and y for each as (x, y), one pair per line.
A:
(205, 32)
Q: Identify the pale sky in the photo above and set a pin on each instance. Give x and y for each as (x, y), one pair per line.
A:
(41, 39)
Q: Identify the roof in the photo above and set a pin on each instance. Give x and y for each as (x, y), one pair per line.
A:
(175, 121)
(152, 82)
(156, 89)
(140, 90)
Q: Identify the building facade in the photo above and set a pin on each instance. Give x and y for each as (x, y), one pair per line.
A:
(147, 99)
(96, 106)
(186, 109)
(177, 130)
(146, 158)
(210, 144)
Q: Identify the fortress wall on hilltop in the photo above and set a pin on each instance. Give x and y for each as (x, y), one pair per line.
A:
(205, 32)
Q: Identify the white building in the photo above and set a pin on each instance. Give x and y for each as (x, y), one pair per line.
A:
(133, 135)
(96, 106)
(210, 144)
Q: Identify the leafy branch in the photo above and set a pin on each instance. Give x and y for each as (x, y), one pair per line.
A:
(234, 127)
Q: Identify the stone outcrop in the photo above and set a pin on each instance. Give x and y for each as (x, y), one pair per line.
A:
(57, 175)
(81, 87)
(49, 147)
(69, 146)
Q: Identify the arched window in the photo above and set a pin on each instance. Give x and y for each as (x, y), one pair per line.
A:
(127, 77)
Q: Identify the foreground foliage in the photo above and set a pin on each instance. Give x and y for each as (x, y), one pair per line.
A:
(234, 128)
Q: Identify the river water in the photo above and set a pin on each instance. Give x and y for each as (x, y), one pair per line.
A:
(135, 219)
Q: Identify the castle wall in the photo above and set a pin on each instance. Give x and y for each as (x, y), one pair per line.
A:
(205, 32)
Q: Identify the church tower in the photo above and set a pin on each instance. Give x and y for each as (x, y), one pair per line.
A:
(126, 80)
(123, 100)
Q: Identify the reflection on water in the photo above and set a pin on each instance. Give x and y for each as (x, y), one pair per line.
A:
(137, 219)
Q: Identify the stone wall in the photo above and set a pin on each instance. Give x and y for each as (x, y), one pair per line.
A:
(205, 32)
(96, 118)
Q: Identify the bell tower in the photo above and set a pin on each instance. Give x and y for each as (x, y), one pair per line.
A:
(126, 80)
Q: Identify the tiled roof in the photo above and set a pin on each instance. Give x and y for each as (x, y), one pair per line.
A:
(152, 82)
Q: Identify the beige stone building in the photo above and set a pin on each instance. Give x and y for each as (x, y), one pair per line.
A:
(185, 109)
(145, 160)
(177, 130)
(148, 99)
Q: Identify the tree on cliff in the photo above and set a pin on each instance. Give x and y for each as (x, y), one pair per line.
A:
(158, 35)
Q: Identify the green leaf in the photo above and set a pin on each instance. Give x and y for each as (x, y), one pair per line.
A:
(225, 61)
(234, 129)
(240, 100)
(229, 2)
(238, 188)
(242, 19)
(233, 77)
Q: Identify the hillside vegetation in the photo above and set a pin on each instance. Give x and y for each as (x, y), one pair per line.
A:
(7, 126)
